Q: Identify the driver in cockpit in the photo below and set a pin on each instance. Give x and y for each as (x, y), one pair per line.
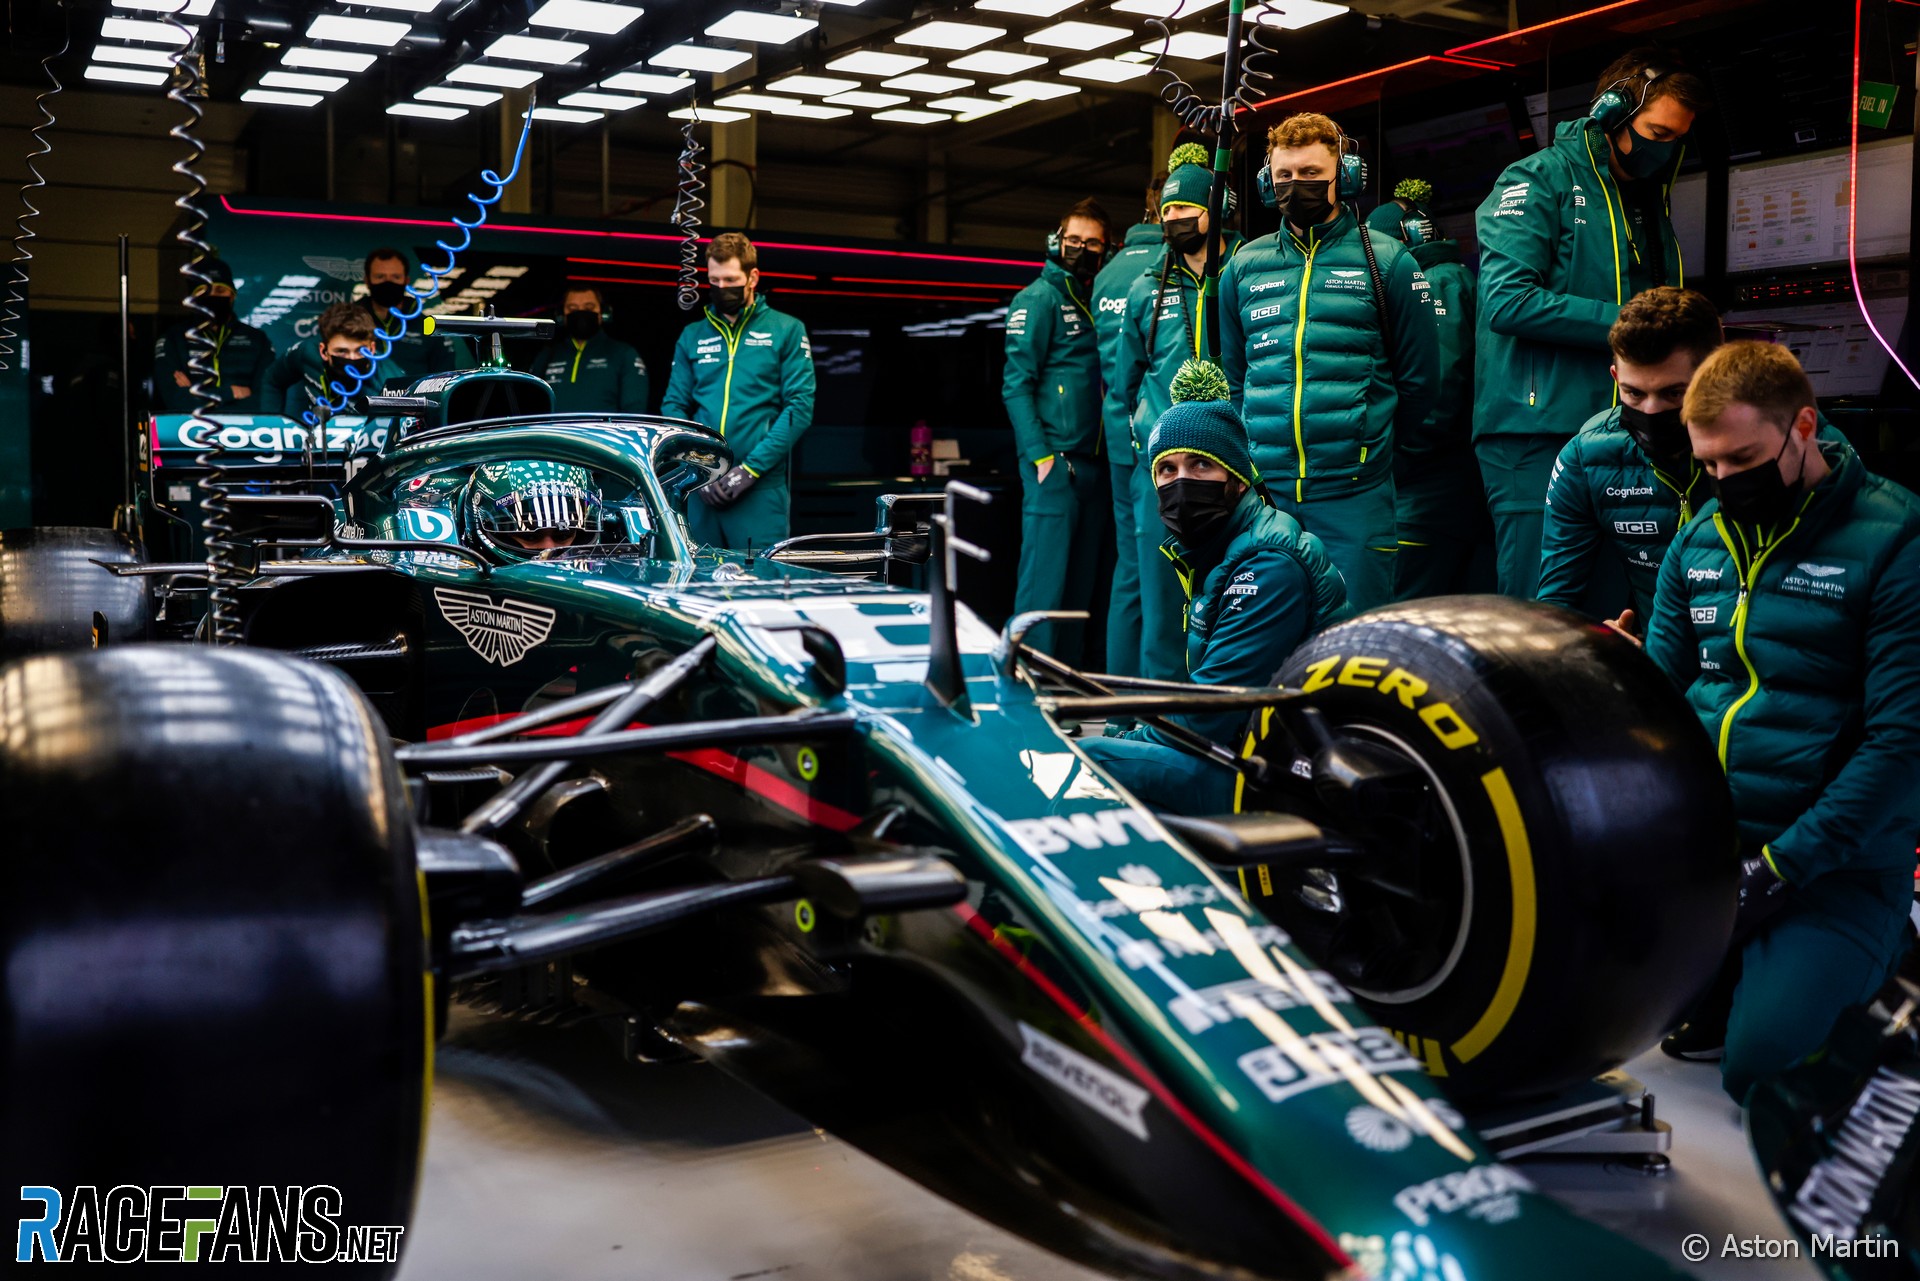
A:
(515, 511)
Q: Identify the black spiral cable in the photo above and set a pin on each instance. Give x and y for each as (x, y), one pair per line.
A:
(687, 204)
(1195, 112)
(17, 287)
(1255, 82)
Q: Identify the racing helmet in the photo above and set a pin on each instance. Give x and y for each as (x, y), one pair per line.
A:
(512, 508)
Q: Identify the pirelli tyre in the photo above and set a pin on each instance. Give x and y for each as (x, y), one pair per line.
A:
(217, 996)
(53, 596)
(1552, 881)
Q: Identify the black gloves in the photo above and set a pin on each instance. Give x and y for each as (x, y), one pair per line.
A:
(1761, 895)
(726, 489)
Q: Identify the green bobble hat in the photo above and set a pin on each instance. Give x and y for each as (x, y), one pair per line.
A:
(1188, 177)
(1202, 420)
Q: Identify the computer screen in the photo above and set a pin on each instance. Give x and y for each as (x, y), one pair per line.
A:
(1832, 341)
(1688, 205)
(1793, 212)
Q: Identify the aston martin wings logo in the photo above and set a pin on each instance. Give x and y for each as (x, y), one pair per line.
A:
(1820, 571)
(500, 633)
(347, 269)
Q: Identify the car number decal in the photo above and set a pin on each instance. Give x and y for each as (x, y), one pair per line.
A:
(500, 633)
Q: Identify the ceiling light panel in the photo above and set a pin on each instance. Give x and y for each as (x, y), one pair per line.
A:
(1134, 55)
(302, 80)
(566, 115)
(136, 57)
(194, 9)
(996, 62)
(407, 6)
(1106, 70)
(903, 117)
(370, 31)
(755, 101)
(146, 32)
(465, 97)
(969, 106)
(602, 101)
(812, 86)
(425, 111)
(1164, 8)
(479, 73)
(926, 82)
(1291, 15)
(813, 111)
(867, 62)
(585, 15)
(867, 98)
(693, 57)
(1077, 35)
(1197, 45)
(280, 98)
(327, 59)
(535, 49)
(1035, 90)
(126, 75)
(761, 28)
(709, 115)
(950, 35)
(1030, 8)
(646, 82)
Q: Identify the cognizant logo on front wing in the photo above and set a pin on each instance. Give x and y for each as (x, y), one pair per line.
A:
(183, 1223)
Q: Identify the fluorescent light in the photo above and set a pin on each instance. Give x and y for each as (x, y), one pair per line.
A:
(755, 101)
(408, 6)
(194, 9)
(995, 62)
(465, 97)
(1106, 70)
(332, 26)
(560, 115)
(479, 73)
(846, 3)
(1035, 90)
(134, 29)
(950, 35)
(904, 117)
(926, 82)
(709, 115)
(1031, 8)
(970, 106)
(280, 98)
(695, 57)
(126, 75)
(137, 57)
(812, 111)
(1291, 15)
(812, 86)
(866, 62)
(425, 111)
(867, 98)
(604, 101)
(1164, 8)
(302, 80)
(327, 59)
(761, 28)
(1198, 45)
(584, 15)
(1077, 35)
(535, 49)
(645, 82)
(1134, 55)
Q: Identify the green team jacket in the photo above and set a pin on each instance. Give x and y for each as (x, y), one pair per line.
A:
(602, 374)
(1799, 649)
(1141, 251)
(1307, 356)
(295, 383)
(752, 381)
(240, 358)
(1605, 492)
(1144, 376)
(1052, 382)
(1436, 478)
(1556, 263)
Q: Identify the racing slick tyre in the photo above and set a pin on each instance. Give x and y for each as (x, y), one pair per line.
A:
(217, 990)
(1553, 879)
(53, 596)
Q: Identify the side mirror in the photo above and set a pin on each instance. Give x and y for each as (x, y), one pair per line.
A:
(281, 518)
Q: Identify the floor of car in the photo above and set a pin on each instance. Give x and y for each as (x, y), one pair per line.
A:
(548, 1157)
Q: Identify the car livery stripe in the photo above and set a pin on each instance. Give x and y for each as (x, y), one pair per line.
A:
(1513, 975)
(1239, 1164)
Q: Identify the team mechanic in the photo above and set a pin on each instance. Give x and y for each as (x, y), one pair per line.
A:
(589, 369)
(745, 370)
(239, 360)
(1051, 389)
(300, 379)
(1164, 326)
(415, 353)
(1789, 612)
(1257, 586)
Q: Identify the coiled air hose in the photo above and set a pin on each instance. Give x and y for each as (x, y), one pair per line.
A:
(687, 204)
(17, 288)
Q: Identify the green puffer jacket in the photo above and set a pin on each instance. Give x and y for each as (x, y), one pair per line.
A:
(1556, 263)
(1144, 376)
(1606, 493)
(600, 375)
(1304, 350)
(1052, 382)
(1800, 653)
(1436, 478)
(751, 381)
(240, 357)
(1142, 250)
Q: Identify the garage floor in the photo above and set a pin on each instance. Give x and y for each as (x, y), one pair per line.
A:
(549, 1158)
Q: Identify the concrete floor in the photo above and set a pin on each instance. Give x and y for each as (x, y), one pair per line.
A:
(549, 1158)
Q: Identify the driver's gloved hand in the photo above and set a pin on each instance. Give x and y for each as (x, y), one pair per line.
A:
(1762, 893)
(725, 490)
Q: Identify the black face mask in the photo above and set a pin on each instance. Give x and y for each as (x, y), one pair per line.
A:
(1195, 511)
(1184, 234)
(1759, 496)
(388, 293)
(1305, 203)
(729, 299)
(1080, 264)
(1662, 437)
(221, 305)
(583, 324)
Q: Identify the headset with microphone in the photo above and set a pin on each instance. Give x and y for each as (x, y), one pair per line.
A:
(1613, 108)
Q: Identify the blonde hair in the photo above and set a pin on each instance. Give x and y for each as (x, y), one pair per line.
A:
(1761, 374)
(1303, 130)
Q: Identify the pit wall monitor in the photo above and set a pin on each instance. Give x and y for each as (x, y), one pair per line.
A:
(1793, 212)
(1831, 340)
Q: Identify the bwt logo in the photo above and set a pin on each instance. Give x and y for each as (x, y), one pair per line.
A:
(186, 1224)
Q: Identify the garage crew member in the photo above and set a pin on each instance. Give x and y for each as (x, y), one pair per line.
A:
(1165, 327)
(1140, 251)
(1257, 586)
(298, 381)
(1440, 510)
(589, 370)
(1052, 392)
(239, 356)
(417, 353)
(1327, 335)
(745, 370)
(1789, 612)
(1568, 234)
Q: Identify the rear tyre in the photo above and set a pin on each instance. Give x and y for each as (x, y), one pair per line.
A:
(213, 931)
(53, 596)
(1568, 841)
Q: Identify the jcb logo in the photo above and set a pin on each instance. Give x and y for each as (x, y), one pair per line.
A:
(1396, 682)
(1636, 526)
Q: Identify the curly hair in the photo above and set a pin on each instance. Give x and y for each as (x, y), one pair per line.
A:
(1660, 321)
(1303, 130)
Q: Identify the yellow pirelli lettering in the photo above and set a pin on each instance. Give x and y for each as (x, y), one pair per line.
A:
(1405, 685)
(1364, 672)
(1452, 732)
(1320, 674)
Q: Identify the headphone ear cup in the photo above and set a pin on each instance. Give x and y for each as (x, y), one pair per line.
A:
(1610, 110)
(1053, 241)
(1353, 176)
(1264, 182)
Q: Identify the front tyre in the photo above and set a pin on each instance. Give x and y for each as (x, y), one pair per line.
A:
(53, 596)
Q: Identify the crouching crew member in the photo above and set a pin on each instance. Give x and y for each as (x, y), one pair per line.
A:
(1327, 334)
(237, 359)
(746, 371)
(1257, 585)
(1052, 392)
(589, 370)
(1789, 612)
(301, 379)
